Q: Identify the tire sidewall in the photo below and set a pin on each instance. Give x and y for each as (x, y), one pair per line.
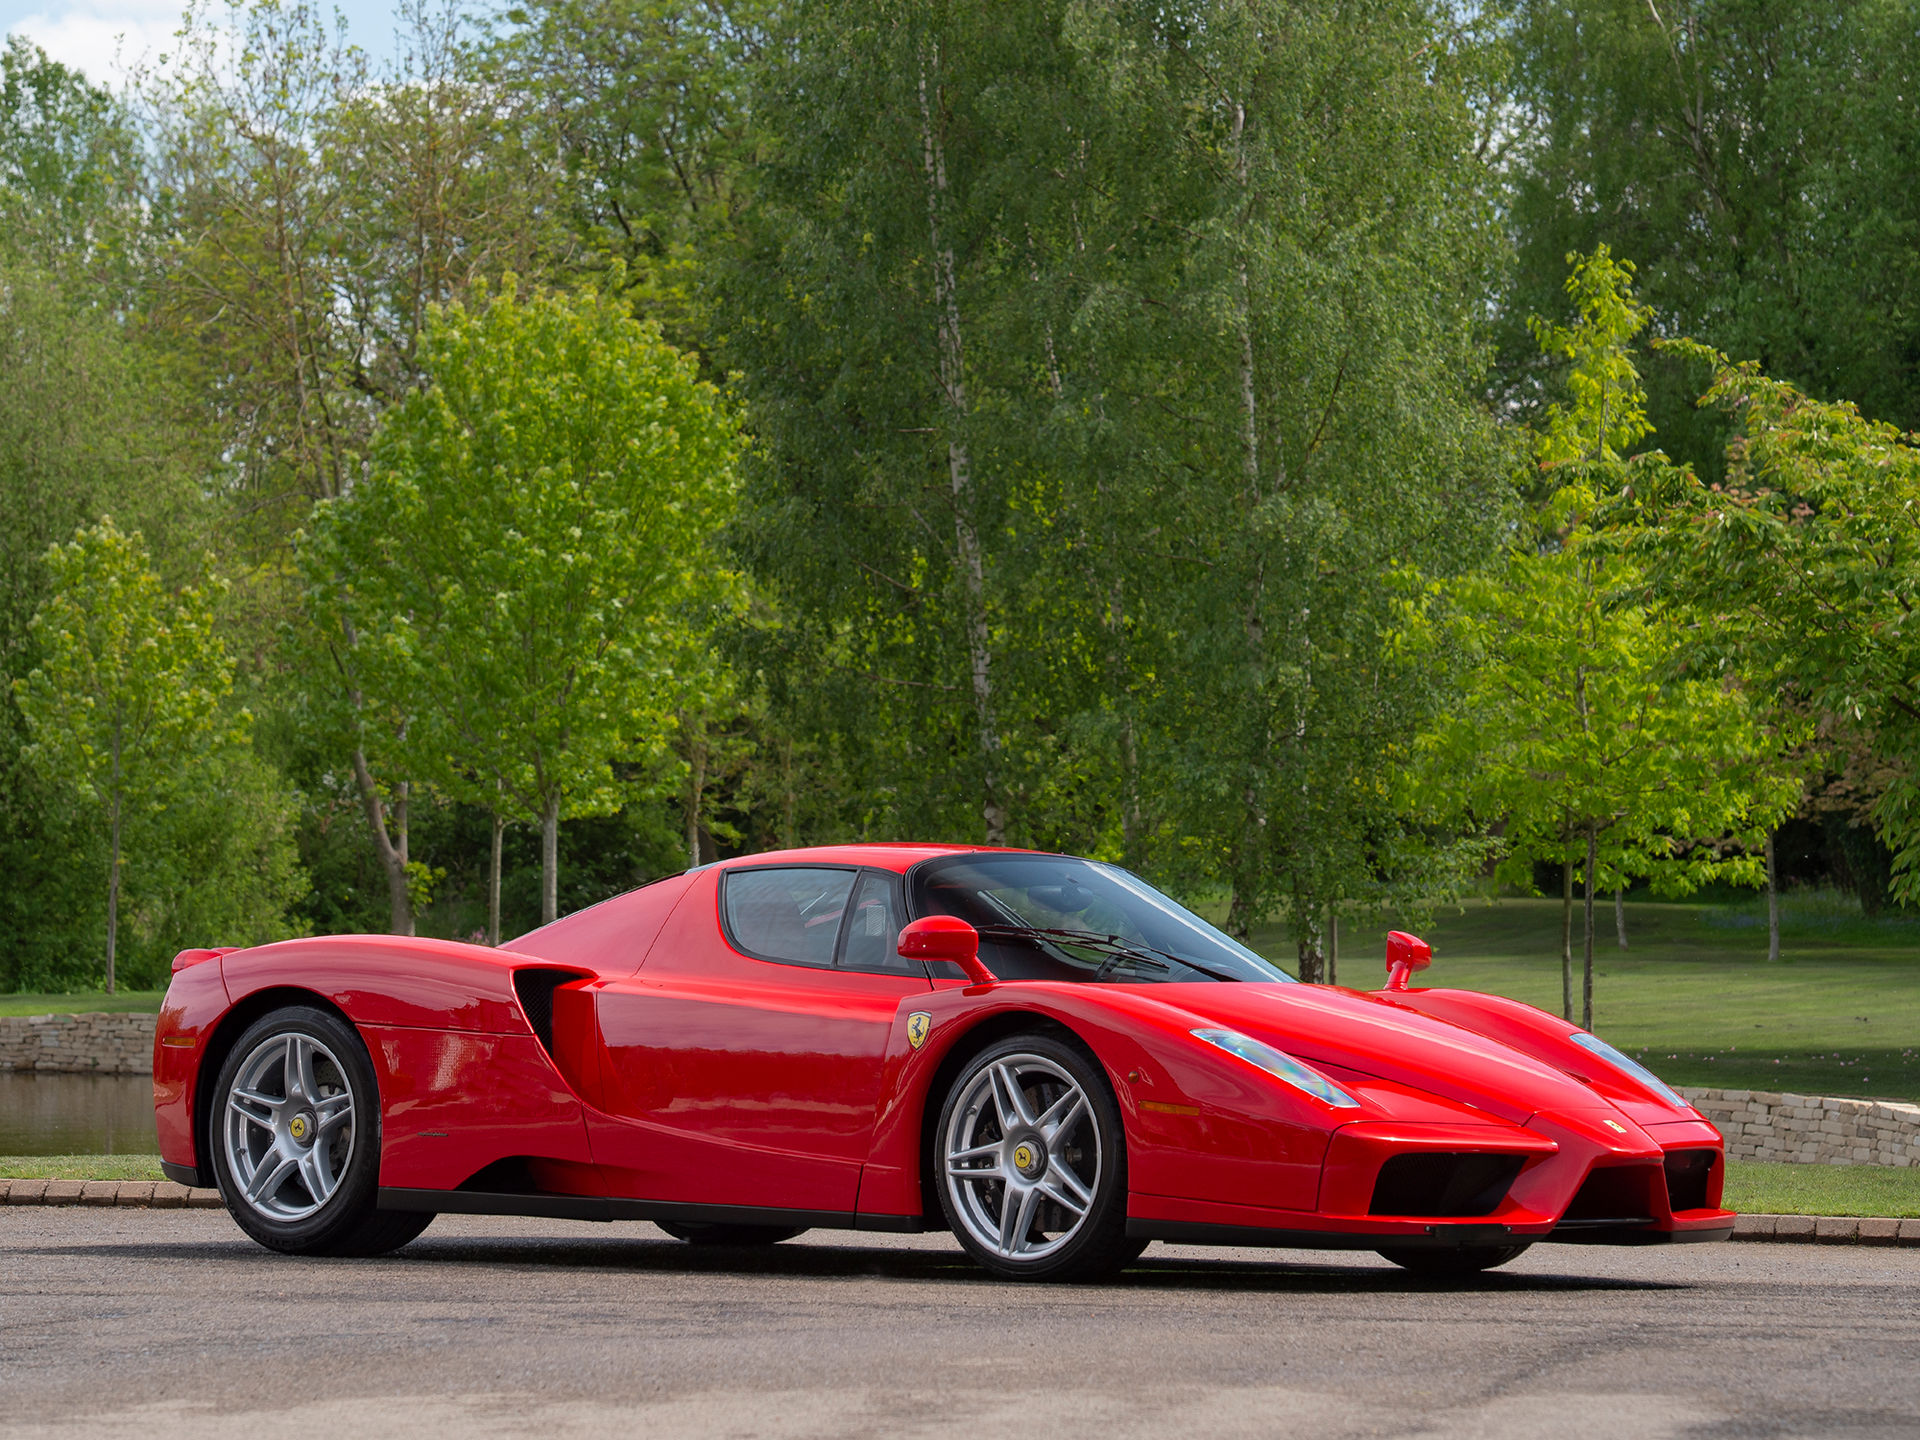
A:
(1103, 1230)
(349, 1206)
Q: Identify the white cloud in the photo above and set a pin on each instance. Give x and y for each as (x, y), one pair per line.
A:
(104, 39)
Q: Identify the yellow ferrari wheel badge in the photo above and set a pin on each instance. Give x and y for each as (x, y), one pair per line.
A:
(1023, 1156)
(918, 1024)
(297, 1127)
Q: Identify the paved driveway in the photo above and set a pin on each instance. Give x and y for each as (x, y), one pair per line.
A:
(162, 1324)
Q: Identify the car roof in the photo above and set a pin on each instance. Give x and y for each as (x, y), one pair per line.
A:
(888, 855)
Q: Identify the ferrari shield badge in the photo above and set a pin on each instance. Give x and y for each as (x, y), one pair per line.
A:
(918, 1024)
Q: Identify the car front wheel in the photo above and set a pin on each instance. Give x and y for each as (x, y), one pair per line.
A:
(296, 1139)
(1031, 1162)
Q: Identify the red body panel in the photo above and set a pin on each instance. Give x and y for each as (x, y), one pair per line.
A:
(677, 1069)
(728, 1080)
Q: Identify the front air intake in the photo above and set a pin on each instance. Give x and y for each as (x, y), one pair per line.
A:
(1444, 1182)
(1688, 1172)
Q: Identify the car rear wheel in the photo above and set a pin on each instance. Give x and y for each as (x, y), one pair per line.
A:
(727, 1233)
(295, 1137)
(1468, 1260)
(1031, 1161)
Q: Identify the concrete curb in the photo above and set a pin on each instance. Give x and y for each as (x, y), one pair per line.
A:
(165, 1195)
(1828, 1229)
(141, 1194)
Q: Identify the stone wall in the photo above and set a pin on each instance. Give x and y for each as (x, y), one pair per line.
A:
(78, 1044)
(1812, 1129)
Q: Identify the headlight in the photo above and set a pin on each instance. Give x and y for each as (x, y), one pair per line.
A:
(1282, 1066)
(1593, 1044)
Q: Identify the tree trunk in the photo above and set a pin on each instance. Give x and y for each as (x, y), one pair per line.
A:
(550, 861)
(1586, 979)
(696, 789)
(113, 859)
(393, 856)
(1333, 946)
(1566, 940)
(1773, 903)
(968, 560)
(1620, 914)
(493, 880)
(1312, 955)
(789, 800)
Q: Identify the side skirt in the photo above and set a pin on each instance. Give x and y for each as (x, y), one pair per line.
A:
(595, 1207)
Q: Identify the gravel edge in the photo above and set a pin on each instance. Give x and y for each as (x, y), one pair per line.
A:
(165, 1195)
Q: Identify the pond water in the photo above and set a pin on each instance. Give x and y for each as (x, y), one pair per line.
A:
(44, 1114)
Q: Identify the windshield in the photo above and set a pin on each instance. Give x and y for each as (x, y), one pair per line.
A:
(1052, 917)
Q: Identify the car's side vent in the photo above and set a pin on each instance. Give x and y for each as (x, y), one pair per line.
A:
(1688, 1172)
(535, 989)
(1444, 1182)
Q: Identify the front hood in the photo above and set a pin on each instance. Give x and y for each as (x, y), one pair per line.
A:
(1345, 1030)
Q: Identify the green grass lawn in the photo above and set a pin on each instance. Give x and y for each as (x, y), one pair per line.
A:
(80, 1167)
(120, 1002)
(1694, 996)
(1822, 1190)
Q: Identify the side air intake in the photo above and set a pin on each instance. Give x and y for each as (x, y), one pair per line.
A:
(535, 989)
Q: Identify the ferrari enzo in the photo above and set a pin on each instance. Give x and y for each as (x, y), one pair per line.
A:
(1043, 1053)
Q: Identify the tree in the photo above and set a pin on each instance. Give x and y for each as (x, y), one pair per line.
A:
(1103, 363)
(513, 569)
(647, 101)
(1579, 734)
(128, 690)
(1754, 156)
(1804, 567)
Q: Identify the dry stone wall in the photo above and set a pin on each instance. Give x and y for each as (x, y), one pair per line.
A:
(78, 1044)
(1812, 1129)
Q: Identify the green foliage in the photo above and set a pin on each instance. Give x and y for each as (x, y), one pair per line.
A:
(315, 211)
(1094, 358)
(513, 579)
(69, 172)
(126, 710)
(1804, 566)
(647, 102)
(1756, 157)
(1577, 735)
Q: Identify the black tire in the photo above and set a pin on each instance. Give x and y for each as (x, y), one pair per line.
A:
(325, 1203)
(1467, 1260)
(728, 1233)
(1093, 1245)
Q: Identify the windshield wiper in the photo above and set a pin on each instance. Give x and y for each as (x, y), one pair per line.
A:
(1118, 949)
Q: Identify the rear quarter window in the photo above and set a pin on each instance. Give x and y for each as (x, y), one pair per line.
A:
(788, 913)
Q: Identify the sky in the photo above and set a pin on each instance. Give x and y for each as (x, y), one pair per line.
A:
(106, 38)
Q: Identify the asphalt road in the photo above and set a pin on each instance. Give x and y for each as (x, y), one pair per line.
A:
(170, 1323)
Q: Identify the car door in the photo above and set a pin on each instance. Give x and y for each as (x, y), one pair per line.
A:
(741, 1064)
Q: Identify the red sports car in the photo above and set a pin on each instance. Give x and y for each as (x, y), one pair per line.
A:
(1043, 1053)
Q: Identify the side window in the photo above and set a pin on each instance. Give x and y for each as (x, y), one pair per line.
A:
(873, 930)
(786, 913)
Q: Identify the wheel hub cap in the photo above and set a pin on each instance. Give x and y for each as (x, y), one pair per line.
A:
(288, 1127)
(1023, 1156)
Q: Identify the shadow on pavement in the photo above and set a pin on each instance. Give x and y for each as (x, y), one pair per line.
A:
(830, 1261)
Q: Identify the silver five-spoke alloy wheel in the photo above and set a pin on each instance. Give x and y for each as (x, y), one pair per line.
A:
(1022, 1157)
(289, 1126)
